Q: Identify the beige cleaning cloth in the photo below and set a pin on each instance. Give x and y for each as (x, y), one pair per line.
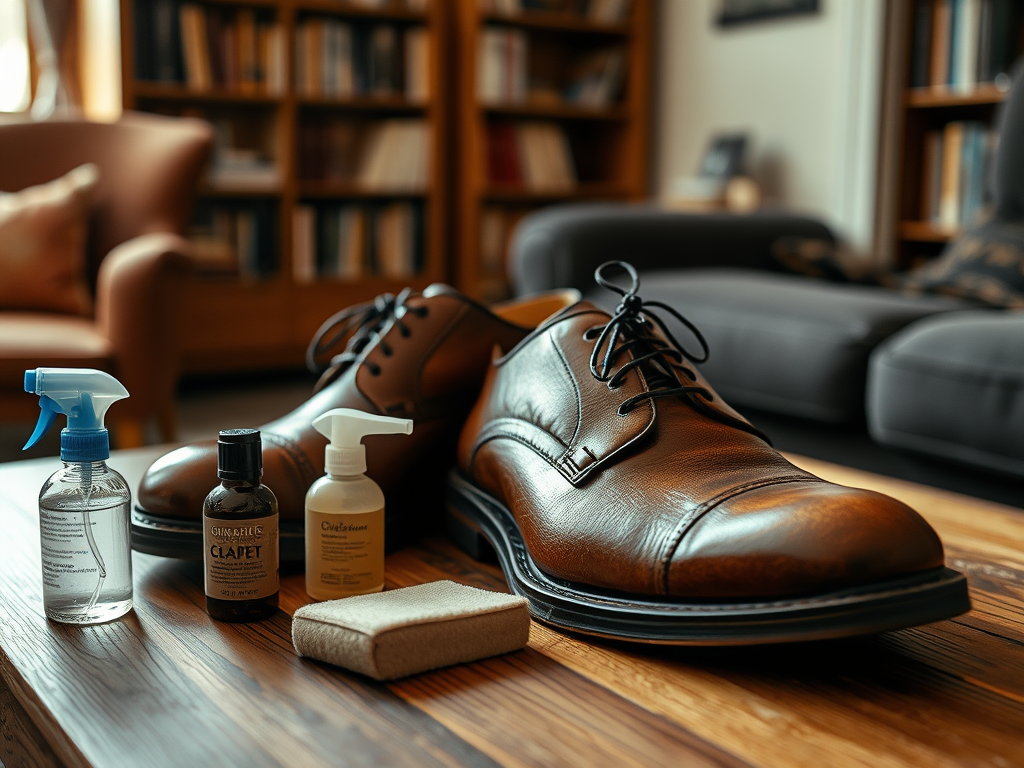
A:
(404, 631)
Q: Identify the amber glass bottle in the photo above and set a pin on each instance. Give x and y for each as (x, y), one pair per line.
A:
(240, 533)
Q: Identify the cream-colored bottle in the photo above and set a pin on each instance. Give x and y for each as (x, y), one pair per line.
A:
(345, 509)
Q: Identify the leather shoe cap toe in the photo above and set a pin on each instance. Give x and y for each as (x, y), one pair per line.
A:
(173, 486)
(800, 538)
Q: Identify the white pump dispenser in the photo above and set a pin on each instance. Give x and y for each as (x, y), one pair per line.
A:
(345, 509)
(346, 428)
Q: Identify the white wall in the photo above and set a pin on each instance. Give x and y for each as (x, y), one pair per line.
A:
(806, 89)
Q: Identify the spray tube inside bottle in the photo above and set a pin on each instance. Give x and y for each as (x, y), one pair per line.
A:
(76, 493)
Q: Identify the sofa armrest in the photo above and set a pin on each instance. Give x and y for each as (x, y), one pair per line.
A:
(561, 246)
(137, 297)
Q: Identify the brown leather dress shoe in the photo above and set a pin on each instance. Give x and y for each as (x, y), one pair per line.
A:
(624, 498)
(416, 356)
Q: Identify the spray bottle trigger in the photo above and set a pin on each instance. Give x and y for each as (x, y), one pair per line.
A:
(48, 411)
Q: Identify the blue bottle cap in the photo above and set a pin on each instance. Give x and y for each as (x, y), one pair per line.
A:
(82, 446)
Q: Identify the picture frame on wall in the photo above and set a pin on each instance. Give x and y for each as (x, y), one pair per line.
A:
(736, 12)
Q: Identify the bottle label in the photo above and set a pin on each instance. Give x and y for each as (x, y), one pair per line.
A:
(241, 558)
(344, 553)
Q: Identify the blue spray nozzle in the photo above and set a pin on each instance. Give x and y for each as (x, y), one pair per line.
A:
(47, 415)
(81, 394)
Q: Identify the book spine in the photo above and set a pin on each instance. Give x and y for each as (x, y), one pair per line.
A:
(303, 261)
(922, 43)
(250, 71)
(167, 42)
(213, 47)
(346, 81)
(955, 27)
(984, 73)
(143, 28)
(941, 27)
(930, 170)
(967, 45)
(952, 153)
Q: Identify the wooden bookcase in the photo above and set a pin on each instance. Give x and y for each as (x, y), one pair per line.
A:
(230, 323)
(609, 144)
(913, 112)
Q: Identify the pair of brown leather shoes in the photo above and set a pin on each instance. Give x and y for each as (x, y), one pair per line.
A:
(623, 497)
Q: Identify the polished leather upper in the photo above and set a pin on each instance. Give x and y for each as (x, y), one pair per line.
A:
(430, 373)
(679, 497)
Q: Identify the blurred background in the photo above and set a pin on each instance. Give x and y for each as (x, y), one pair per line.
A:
(271, 162)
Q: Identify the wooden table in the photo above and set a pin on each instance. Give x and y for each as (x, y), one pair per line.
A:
(168, 686)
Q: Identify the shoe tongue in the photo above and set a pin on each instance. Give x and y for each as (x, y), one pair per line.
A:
(572, 311)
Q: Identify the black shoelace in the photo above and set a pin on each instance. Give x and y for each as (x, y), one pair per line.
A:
(364, 322)
(663, 360)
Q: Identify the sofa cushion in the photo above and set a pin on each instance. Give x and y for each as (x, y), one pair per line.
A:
(42, 244)
(29, 340)
(953, 387)
(786, 343)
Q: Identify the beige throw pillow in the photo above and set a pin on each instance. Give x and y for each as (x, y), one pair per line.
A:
(42, 244)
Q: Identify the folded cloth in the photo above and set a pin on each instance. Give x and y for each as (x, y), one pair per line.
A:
(404, 631)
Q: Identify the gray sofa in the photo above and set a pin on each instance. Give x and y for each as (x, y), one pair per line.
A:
(936, 375)
(930, 374)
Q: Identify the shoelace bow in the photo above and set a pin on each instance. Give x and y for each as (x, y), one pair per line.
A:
(365, 322)
(630, 329)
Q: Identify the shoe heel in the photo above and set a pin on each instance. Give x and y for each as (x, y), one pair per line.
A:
(466, 535)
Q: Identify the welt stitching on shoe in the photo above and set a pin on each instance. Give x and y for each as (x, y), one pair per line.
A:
(689, 520)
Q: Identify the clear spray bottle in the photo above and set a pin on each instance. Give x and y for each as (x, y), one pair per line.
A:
(84, 507)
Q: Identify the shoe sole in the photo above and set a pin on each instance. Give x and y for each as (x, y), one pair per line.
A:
(183, 539)
(479, 523)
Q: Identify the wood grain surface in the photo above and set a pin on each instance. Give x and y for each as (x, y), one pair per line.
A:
(168, 686)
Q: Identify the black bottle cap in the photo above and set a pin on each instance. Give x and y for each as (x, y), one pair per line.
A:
(240, 455)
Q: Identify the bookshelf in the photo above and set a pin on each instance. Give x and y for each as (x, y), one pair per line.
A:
(263, 287)
(950, 60)
(580, 85)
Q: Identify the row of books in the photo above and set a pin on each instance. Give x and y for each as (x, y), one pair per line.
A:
(205, 48)
(960, 43)
(340, 60)
(349, 241)
(502, 61)
(377, 5)
(534, 155)
(593, 79)
(957, 163)
(235, 238)
(603, 11)
(387, 155)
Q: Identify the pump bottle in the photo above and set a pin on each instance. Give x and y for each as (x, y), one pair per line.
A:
(345, 509)
(84, 507)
